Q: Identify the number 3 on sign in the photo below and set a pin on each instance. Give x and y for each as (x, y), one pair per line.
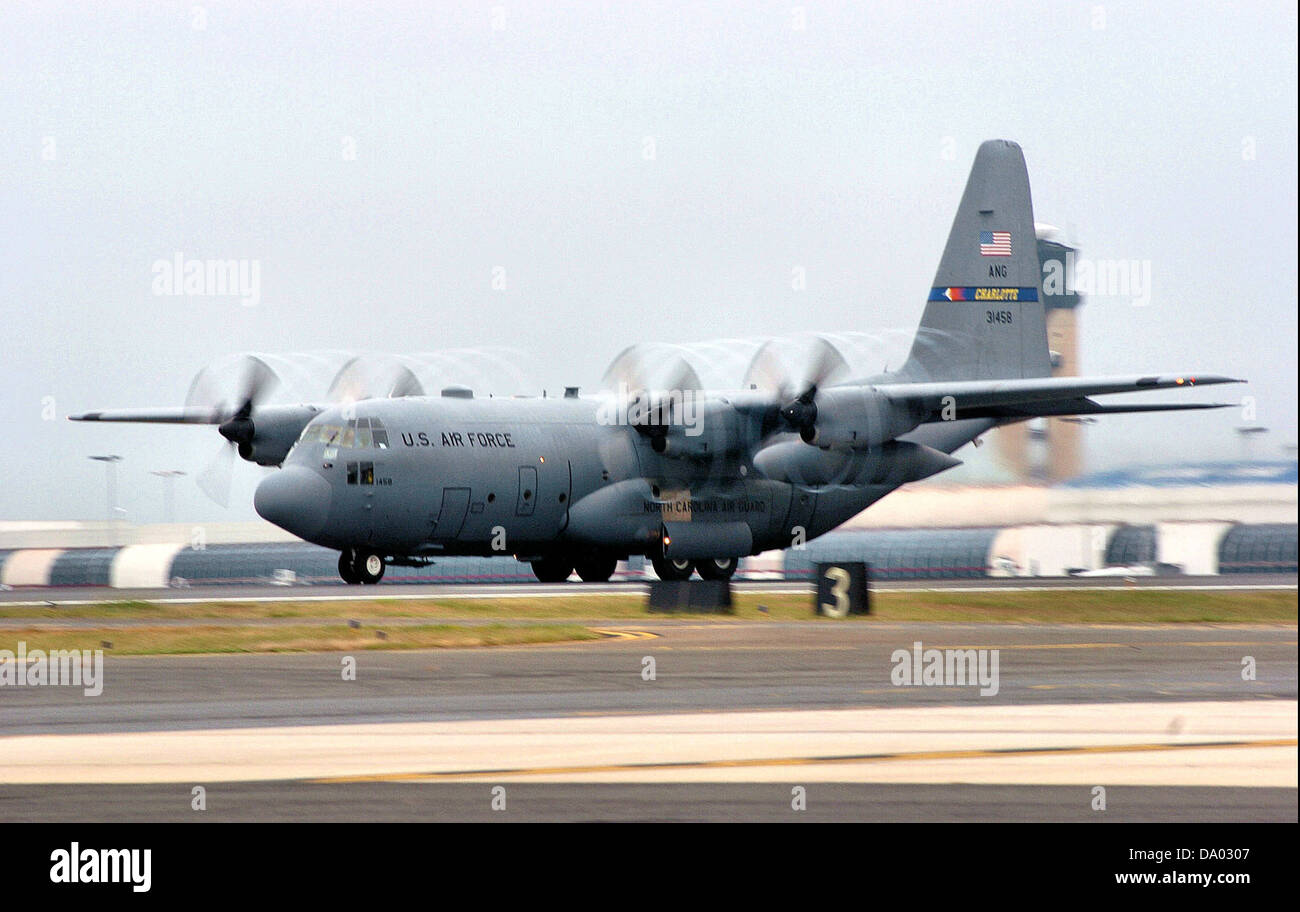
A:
(840, 582)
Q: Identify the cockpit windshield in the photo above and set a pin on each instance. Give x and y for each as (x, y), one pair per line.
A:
(358, 433)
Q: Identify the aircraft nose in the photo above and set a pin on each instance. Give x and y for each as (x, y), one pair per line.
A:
(295, 499)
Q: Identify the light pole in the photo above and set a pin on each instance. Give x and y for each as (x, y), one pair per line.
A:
(1247, 435)
(110, 465)
(169, 492)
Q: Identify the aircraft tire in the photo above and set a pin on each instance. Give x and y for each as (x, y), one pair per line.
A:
(552, 569)
(347, 567)
(596, 569)
(718, 568)
(369, 568)
(670, 570)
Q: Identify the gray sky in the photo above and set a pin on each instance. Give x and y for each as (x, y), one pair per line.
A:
(638, 172)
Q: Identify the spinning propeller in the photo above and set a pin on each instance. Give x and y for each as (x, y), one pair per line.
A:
(819, 366)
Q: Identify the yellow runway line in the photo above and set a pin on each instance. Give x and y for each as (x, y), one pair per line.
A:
(812, 761)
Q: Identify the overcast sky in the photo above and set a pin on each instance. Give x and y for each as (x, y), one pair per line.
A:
(627, 172)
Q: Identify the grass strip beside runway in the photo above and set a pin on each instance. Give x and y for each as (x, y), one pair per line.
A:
(1061, 606)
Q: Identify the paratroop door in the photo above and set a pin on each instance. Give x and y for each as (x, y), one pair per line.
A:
(455, 504)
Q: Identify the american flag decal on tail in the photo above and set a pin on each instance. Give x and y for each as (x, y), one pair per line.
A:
(995, 243)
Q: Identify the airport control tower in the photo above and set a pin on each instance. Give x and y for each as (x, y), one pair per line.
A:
(1050, 449)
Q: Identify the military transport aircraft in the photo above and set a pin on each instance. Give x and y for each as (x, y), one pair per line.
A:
(694, 479)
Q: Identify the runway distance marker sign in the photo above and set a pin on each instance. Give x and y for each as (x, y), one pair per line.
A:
(842, 589)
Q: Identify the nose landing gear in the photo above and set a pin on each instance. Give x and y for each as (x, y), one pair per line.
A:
(358, 566)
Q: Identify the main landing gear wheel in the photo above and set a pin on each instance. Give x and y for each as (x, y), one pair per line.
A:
(369, 567)
(348, 567)
(596, 569)
(552, 569)
(718, 568)
(670, 570)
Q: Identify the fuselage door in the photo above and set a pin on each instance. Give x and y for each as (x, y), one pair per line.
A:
(567, 496)
(455, 504)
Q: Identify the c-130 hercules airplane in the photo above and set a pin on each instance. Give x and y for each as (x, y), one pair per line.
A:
(404, 479)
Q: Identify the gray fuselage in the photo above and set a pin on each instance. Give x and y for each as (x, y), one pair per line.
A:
(528, 477)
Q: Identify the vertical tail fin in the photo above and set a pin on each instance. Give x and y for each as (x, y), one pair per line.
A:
(984, 319)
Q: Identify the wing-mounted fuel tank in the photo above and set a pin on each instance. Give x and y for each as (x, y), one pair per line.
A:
(893, 463)
(267, 434)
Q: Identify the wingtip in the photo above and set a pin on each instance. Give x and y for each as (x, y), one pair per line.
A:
(1205, 379)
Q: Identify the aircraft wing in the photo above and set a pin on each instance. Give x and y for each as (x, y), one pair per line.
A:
(1038, 396)
(1084, 406)
(183, 415)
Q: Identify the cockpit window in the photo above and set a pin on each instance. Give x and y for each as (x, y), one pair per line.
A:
(359, 433)
(361, 473)
(321, 433)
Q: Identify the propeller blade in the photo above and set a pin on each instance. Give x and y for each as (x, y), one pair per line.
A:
(216, 477)
(683, 377)
(821, 364)
(231, 388)
(366, 378)
(824, 366)
(627, 370)
(258, 382)
(767, 372)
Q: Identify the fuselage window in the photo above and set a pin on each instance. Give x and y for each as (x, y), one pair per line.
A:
(352, 473)
(367, 473)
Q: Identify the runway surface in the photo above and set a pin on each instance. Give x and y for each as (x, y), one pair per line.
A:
(1160, 714)
(700, 666)
(74, 595)
(642, 802)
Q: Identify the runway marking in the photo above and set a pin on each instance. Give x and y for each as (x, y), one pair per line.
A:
(835, 647)
(625, 634)
(1049, 587)
(810, 647)
(1148, 643)
(897, 756)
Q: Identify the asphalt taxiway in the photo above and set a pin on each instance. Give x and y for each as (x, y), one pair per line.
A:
(1162, 714)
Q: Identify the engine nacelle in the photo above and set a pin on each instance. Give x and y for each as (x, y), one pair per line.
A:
(267, 436)
(857, 418)
(702, 430)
